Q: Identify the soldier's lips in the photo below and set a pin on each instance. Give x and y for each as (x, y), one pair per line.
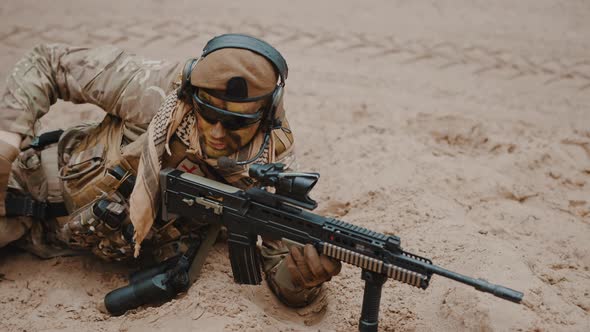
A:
(217, 145)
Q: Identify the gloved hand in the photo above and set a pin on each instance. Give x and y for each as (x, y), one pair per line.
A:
(308, 269)
(8, 153)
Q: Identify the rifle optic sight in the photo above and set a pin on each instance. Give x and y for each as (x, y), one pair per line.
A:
(293, 185)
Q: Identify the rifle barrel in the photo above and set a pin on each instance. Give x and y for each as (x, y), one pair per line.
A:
(479, 284)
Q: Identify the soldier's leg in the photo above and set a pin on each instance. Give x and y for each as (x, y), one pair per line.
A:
(36, 171)
(11, 228)
(32, 183)
(8, 154)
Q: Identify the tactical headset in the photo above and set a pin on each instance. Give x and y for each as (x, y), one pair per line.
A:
(273, 117)
(248, 43)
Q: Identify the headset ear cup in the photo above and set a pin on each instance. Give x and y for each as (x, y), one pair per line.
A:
(186, 77)
(277, 109)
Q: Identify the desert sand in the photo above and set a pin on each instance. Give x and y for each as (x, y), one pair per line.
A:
(461, 126)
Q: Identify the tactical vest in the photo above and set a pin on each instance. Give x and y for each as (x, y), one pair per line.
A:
(86, 153)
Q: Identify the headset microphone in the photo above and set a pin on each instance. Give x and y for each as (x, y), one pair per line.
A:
(225, 162)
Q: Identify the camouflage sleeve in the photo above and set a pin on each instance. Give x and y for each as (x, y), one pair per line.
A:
(122, 84)
(279, 279)
(274, 252)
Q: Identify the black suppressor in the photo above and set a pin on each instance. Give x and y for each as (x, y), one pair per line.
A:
(155, 285)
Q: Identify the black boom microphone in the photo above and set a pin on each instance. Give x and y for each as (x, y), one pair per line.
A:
(226, 162)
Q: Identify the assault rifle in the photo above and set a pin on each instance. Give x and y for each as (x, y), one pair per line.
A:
(283, 215)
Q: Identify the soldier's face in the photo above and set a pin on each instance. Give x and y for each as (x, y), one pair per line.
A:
(218, 141)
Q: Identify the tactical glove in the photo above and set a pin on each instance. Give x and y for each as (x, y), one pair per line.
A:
(308, 269)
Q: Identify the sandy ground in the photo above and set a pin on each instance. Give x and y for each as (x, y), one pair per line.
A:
(461, 126)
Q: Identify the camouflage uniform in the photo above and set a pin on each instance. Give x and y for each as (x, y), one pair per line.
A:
(130, 90)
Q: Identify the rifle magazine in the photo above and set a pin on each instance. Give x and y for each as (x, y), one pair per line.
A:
(244, 259)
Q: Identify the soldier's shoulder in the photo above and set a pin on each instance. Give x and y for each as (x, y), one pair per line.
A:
(283, 141)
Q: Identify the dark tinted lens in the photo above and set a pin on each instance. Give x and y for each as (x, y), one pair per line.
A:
(229, 120)
(208, 113)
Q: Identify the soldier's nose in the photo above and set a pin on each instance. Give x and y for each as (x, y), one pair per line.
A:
(218, 131)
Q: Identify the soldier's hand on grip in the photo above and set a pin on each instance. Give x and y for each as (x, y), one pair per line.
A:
(308, 268)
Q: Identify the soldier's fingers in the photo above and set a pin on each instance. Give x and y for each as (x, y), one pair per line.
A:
(313, 261)
(296, 276)
(331, 266)
(299, 259)
(297, 255)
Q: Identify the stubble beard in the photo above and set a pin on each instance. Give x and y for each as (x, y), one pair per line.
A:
(232, 145)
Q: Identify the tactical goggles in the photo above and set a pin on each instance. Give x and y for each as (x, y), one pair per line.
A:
(229, 120)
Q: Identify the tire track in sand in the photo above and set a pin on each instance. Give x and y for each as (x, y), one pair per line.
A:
(164, 32)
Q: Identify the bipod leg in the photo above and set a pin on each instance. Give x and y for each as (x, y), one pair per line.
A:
(369, 320)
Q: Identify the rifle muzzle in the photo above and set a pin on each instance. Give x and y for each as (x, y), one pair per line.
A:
(499, 291)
